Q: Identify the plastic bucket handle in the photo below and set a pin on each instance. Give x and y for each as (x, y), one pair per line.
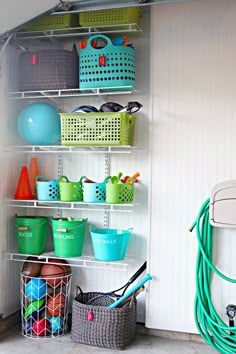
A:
(83, 178)
(109, 42)
(71, 228)
(63, 177)
(92, 227)
(105, 180)
(31, 226)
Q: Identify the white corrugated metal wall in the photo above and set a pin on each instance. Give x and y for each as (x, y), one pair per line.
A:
(193, 148)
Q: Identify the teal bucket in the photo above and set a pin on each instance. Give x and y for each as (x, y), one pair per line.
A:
(109, 244)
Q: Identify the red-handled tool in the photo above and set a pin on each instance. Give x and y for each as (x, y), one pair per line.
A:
(135, 176)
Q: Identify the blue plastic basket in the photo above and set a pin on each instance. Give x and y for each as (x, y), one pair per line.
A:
(94, 192)
(111, 66)
(109, 244)
(47, 190)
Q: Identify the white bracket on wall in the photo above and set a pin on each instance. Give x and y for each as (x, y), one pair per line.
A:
(223, 205)
(106, 217)
(59, 174)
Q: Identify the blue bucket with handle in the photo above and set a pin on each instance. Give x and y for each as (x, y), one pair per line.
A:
(110, 66)
(94, 192)
(109, 244)
(47, 190)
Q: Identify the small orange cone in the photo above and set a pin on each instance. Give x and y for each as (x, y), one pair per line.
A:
(33, 173)
(23, 190)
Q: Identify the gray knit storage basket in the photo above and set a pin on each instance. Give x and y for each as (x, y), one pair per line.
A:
(108, 328)
(51, 69)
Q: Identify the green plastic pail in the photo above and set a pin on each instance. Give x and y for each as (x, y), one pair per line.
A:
(68, 236)
(31, 234)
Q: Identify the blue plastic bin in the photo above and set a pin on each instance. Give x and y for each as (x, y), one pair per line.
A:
(109, 244)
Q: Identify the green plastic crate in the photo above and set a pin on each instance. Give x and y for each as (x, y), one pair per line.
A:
(54, 22)
(109, 17)
(97, 129)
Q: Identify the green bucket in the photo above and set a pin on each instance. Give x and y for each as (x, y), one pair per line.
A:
(31, 234)
(68, 236)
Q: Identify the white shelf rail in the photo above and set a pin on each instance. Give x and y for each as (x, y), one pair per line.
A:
(70, 205)
(44, 149)
(77, 31)
(83, 261)
(118, 90)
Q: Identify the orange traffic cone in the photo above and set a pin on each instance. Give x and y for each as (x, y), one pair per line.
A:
(23, 190)
(33, 173)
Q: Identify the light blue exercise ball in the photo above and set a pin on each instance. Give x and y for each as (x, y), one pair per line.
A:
(39, 124)
(57, 324)
(36, 288)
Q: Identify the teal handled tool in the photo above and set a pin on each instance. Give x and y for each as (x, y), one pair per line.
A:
(131, 291)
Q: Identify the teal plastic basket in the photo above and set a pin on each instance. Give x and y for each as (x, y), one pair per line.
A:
(94, 192)
(109, 244)
(47, 190)
(111, 66)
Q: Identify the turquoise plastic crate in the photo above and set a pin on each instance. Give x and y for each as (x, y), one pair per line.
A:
(111, 66)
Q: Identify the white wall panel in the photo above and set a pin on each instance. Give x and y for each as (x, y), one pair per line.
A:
(193, 57)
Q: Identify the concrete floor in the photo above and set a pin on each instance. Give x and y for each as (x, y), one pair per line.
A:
(12, 342)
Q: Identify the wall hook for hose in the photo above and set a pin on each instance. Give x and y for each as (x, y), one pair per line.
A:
(231, 313)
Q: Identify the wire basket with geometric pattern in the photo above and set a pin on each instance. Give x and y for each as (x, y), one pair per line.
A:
(44, 306)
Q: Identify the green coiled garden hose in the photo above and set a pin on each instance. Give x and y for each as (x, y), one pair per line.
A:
(210, 326)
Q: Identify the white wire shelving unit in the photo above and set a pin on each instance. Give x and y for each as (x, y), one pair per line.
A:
(83, 261)
(45, 149)
(78, 31)
(119, 90)
(52, 34)
(18, 203)
(19, 40)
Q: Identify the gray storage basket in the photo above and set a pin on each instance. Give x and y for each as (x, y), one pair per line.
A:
(51, 69)
(102, 327)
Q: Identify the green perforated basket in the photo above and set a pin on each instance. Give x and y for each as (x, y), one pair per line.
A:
(120, 193)
(110, 17)
(97, 128)
(54, 22)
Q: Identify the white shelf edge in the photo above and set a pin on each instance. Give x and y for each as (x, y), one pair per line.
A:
(77, 31)
(44, 149)
(119, 90)
(83, 261)
(16, 203)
